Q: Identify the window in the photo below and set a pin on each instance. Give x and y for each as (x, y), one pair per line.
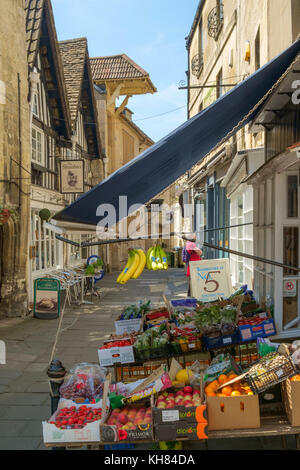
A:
(36, 103)
(37, 146)
(292, 195)
(45, 249)
(257, 50)
(219, 84)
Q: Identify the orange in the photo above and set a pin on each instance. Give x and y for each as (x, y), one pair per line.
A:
(237, 387)
(221, 395)
(222, 379)
(208, 389)
(250, 393)
(296, 378)
(235, 393)
(214, 385)
(211, 394)
(227, 391)
(232, 376)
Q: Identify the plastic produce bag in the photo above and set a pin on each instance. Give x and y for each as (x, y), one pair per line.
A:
(84, 383)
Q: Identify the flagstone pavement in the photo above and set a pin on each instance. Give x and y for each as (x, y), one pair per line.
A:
(24, 387)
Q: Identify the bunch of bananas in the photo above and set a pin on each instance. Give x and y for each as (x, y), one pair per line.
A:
(134, 267)
(156, 258)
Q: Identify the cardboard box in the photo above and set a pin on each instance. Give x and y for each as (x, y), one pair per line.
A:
(128, 326)
(291, 401)
(233, 412)
(110, 433)
(109, 357)
(263, 330)
(54, 435)
(177, 431)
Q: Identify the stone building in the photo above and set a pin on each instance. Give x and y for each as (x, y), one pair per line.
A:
(229, 41)
(15, 157)
(63, 129)
(115, 77)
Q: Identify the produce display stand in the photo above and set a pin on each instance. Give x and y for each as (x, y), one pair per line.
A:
(271, 426)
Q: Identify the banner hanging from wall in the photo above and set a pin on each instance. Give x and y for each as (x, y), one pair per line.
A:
(72, 176)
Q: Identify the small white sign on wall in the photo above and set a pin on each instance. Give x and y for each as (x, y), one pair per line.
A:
(289, 288)
(210, 279)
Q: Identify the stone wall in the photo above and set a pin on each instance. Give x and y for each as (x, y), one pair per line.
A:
(14, 157)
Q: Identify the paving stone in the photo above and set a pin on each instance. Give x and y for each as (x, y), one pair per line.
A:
(19, 443)
(24, 398)
(3, 389)
(17, 412)
(34, 428)
(41, 387)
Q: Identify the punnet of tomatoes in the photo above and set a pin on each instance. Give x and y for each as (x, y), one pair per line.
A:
(76, 418)
(118, 344)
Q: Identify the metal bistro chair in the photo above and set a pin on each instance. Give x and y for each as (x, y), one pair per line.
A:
(64, 284)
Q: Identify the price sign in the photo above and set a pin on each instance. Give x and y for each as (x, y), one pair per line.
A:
(210, 279)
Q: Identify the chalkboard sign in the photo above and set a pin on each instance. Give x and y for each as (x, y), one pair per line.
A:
(46, 298)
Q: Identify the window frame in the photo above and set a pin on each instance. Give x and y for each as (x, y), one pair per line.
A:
(42, 143)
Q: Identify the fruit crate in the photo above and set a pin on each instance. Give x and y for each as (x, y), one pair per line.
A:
(273, 376)
(151, 353)
(133, 373)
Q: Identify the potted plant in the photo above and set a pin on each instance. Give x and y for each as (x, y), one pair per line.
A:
(7, 212)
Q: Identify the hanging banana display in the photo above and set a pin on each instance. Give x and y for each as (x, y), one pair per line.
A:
(137, 260)
(156, 258)
(134, 267)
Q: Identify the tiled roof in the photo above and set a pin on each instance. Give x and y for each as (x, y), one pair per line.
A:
(34, 13)
(74, 55)
(115, 68)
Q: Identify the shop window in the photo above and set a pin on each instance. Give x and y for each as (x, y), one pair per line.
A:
(220, 84)
(291, 258)
(292, 195)
(44, 251)
(257, 50)
(37, 146)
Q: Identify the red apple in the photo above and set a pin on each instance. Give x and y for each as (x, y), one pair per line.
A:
(115, 412)
(187, 390)
(170, 405)
(112, 421)
(122, 418)
(187, 404)
(161, 405)
(187, 397)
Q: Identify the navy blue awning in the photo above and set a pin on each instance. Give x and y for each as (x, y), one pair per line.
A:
(158, 167)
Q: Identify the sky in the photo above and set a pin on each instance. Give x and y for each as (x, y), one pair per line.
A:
(152, 33)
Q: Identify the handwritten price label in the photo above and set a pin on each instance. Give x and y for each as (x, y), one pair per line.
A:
(210, 279)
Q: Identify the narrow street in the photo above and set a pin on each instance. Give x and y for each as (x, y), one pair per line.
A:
(24, 388)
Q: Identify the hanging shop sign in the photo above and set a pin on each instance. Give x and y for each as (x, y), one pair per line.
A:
(210, 279)
(72, 176)
(289, 288)
(46, 298)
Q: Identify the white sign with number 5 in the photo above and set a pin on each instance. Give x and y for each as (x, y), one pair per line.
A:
(210, 279)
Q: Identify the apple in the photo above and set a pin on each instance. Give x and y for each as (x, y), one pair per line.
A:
(187, 397)
(112, 421)
(165, 394)
(161, 405)
(171, 395)
(116, 411)
(122, 418)
(170, 405)
(125, 427)
(187, 390)
(187, 404)
(147, 420)
(196, 392)
(181, 403)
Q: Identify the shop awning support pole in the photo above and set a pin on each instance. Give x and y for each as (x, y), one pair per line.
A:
(208, 245)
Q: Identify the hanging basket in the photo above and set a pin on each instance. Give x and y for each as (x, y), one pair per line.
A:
(45, 214)
(6, 213)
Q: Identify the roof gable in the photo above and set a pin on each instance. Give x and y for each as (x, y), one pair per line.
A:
(115, 68)
(80, 89)
(73, 54)
(41, 37)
